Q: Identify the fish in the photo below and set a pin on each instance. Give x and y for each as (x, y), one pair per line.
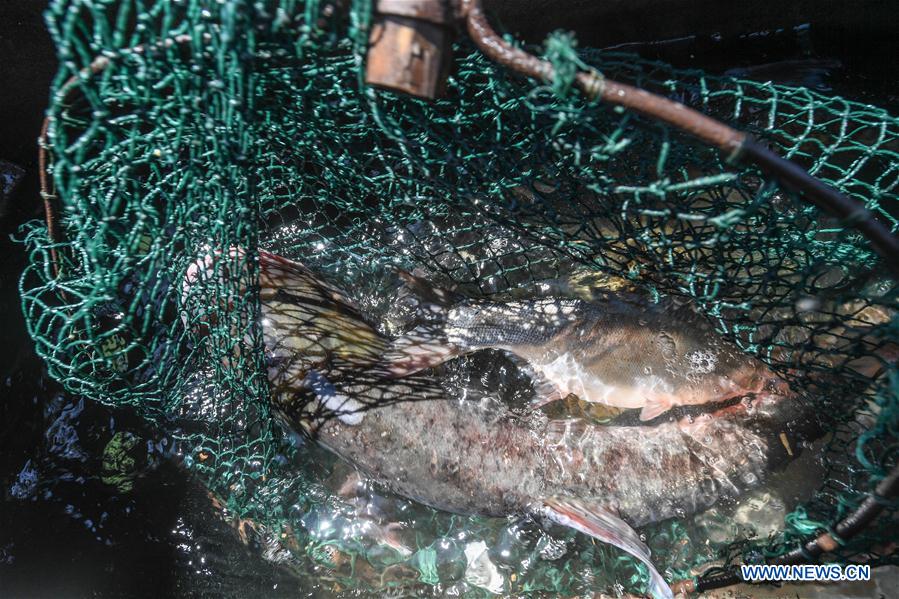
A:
(312, 332)
(620, 349)
(329, 379)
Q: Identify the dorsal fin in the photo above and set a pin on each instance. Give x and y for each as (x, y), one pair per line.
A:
(426, 345)
(423, 347)
(428, 292)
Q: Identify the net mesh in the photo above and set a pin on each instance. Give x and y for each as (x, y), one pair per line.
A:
(180, 126)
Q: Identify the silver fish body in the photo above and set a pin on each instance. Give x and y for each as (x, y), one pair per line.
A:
(446, 454)
(622, 351)
(331, 375)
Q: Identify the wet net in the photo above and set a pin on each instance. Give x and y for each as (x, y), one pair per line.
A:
(181, 126)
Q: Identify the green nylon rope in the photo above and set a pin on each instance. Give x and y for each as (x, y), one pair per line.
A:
(255, 130)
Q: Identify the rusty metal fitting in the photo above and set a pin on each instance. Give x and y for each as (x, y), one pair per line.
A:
(410, 46)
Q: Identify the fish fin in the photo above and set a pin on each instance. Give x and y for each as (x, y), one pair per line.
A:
(423, 347)
(563, 436)
(601, 524)
(278, 272)
(351, 485)
(390, 538)
(426, 345)
(655, 407)
(545, 391)
(434, 298)
(558, 429)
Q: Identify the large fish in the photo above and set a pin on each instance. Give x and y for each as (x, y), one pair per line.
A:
(326, 368)
(621, 350)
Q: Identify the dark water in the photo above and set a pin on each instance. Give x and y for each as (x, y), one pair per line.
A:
(89, 509)
(64, 531)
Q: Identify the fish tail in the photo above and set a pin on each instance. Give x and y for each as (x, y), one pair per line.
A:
(231, 267)
(306, 320)
(423, 347)
(277, 273)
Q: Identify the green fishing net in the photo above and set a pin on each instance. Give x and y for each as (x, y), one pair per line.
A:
(181, 126)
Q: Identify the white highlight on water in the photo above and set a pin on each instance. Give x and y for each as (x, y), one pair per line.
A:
(481, 572)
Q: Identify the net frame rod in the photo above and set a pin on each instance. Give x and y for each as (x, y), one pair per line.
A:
(736, 146)
(843, 531)
(48, 193)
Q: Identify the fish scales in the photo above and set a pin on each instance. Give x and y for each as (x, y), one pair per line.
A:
(648, 474)
(446, 454)
(333, 375)
(622, 350)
